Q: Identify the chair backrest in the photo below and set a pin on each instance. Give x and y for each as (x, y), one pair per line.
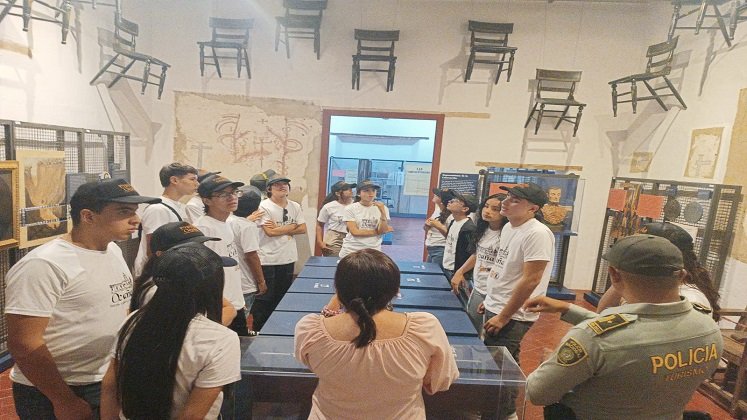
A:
(489, 34)
(375, 42)
(556, 83)
(304, 8)
(125, 33)
(231, 30)
(660, 57)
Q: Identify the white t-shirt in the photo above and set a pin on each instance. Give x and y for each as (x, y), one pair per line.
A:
(210, 357)
(225, 248)
(331, 215)
(366, 218)
(246, 238)
(487, 248)
(532, 241)
(154, 216)
(278, 250)
(434, 237)
(84, 293)
(451, 242)
(194, 209)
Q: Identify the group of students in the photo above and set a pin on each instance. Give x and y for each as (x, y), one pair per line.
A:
(77, 350)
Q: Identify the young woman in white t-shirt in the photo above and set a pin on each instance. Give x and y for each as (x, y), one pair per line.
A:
(331, 217)
(367, 220)
(173, 357)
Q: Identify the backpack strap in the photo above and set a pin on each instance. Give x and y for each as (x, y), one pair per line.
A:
(173, 210)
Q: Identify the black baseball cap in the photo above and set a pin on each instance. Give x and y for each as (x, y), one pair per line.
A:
(529, 191)
(260, 180)
(342, 185)
(469, 200)
(182, 264)
(275, 178)
(675, 234)
(367, 183)
(202, 177)
(90, 194)
(445, 194)
(647, 255)
(249, 201)
(215, 183)
(178, 233)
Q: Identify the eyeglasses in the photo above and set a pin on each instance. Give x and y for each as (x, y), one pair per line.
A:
(227, 195)
(285, 215)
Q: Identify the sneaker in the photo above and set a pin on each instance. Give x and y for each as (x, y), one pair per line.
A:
(253, 333)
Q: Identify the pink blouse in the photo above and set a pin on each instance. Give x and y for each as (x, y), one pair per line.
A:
(382, 380)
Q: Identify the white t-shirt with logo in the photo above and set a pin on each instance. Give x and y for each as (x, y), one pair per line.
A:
(279, 250)
(246, 238)
(84, 293)
(434, 237)
(531, 241)
(366, 218)
(331, 215)
(154, 216)
(487, 248)
(194, 209)
(452, 236)
(225, 248)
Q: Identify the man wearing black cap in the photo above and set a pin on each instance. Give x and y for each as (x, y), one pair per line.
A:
(521, 270)
(220, 196)
(641, 360)
(65, 302)
(178, 181)
(282, 221)
(458, 234)
(195, 208)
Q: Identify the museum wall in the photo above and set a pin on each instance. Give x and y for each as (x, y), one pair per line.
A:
(605, 40)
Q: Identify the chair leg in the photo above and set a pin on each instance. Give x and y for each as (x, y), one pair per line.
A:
(675, 20)
(162, 81)
(394, 71)
(66, 7)
(287, 45)
(539, 118)
(239, 58)
(721, 25)
(560, 120)
(216, 62)
(510, 66)
(103, 69)
(146, 75)
(614, 100)
(246, 61)
(356, 74)
(701, 15)
(655, 95)
(733, 18)
(202, 60)
(470, 64)
(6, 9)
(500, 70)
(578, 120)
(529, 118)
(675, 93)
(277, 36)
(26, 14)
(317, 42)
(634, 96)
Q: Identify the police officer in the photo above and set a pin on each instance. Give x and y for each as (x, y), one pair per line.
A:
(640, 360)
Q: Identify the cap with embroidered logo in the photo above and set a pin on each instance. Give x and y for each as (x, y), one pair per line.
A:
(176, 233)
(342, 185)
(202, 177)
(215, 183)
(367, 183)
(186, 265)
(91, 194)
(647, 255)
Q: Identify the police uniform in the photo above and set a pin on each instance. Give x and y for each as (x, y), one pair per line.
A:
(636, 361)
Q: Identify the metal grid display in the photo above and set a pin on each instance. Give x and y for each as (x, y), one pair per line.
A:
(719, 204)
(87, 152)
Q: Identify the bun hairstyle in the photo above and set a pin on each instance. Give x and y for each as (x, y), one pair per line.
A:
(366, 281)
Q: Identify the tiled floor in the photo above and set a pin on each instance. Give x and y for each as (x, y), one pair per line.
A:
(409, 237)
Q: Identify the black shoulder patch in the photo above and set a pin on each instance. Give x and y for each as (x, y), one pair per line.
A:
(701, 308)
(608, 322)
(571, 352)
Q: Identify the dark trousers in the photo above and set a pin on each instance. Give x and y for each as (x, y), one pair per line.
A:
(31, 404)
(279, 279)
(239, 324)
(509, 336)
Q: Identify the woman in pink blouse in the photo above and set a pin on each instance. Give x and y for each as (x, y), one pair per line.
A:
(371, 362)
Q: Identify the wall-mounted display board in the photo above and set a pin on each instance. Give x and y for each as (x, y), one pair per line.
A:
(464, 183)
(706, 211)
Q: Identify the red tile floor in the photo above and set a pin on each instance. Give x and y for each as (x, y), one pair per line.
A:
(544, 335)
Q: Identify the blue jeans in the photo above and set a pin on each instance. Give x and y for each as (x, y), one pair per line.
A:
(31, 404)
(249, 301)
(435, 254)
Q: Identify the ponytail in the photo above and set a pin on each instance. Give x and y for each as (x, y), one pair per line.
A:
(365, 323)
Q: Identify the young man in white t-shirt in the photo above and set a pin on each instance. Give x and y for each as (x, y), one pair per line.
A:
(220, 196)
(178, 181)
(521, 271)
(282, 221)
(65, 302)
(195, 208)
(367, 220)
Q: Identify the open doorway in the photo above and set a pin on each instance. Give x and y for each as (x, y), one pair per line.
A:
(399, 151)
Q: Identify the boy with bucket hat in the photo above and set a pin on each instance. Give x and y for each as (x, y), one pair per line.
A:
(643, 359)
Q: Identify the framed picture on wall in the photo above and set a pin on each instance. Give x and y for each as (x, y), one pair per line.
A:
(8, 204)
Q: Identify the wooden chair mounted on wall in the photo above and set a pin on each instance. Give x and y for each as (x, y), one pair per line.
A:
(659, 65)
(125, 36)
(61, 13)
(228, 34)
(378, 47)
(302, 20)
(489, 45)
(699, 7)
(728, 386)
(556, 88)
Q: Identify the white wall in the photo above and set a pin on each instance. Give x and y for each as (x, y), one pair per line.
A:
(605, 40)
